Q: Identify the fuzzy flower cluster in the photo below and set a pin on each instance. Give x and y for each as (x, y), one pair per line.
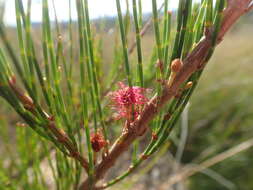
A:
(128, 101)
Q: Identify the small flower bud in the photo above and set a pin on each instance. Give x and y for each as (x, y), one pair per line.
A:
(50, 118)
(13, 80)
(167, 116)
(131, 168)
(74, 154)
(188, 85)
(154, 136)
(176, 65)
(63, 136)
(22, 96)
(144, 157)
(29, 107)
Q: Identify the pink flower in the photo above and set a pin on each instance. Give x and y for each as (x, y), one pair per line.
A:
(128, 101)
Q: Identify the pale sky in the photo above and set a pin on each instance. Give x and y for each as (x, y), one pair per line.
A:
(98, 8)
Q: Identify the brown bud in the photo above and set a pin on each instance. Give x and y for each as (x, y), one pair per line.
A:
(63, 133)
(51, 118)
(154, 136)
(63, 136)
(21, 95)
(26, 100)
(188, 85)
(13, 80)
(131, 168)
(97, 141)
(144, 156)
(176, 65)
(167, 116)
(74, 154)
(28, 107)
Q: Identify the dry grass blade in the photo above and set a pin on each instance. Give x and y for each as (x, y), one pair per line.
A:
(190, 170)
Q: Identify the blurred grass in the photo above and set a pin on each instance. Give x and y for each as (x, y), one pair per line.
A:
(221, 110)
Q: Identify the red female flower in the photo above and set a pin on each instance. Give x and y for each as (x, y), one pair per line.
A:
(97, 141)
(127, 101)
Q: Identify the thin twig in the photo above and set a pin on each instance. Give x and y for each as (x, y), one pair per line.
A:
(219, 178)
(183, 139)
(190, 169)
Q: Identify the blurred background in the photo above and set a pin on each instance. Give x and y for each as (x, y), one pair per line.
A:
(218, 118)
